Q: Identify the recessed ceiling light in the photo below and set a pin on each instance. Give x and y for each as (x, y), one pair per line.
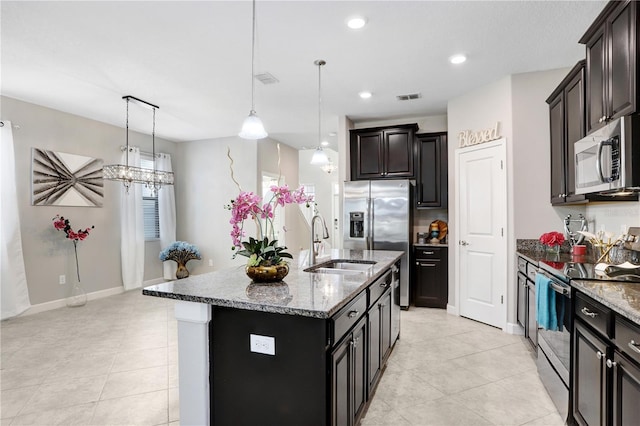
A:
(365, 95)
(333, 134)
(457, 59)
(324, 143)
(356, 23)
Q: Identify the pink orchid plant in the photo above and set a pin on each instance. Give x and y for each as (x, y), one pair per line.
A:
(261, 251)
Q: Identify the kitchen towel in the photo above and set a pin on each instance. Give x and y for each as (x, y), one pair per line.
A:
(546, 314)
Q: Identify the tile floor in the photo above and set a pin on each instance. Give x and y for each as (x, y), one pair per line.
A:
(114, 362)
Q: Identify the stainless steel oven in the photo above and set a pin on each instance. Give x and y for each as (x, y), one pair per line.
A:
(554, 345)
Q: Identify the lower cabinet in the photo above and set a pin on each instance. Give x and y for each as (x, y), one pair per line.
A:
(526, 309)
(606, 370)
(431, 287)
(349, 376)
(379, 337)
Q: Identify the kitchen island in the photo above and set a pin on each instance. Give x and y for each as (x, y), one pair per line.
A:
(308, 350)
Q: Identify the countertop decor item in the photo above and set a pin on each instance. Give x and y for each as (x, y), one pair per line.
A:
(552, 240)
(441, 227)
(264, 250)
(78, 296)
(181, 252)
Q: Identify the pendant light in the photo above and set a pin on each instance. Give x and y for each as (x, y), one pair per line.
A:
(319, 156)
(252, 127)
(151, 178)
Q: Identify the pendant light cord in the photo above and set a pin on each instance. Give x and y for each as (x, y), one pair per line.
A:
(127, 137)
(319, 63)
(253, 55)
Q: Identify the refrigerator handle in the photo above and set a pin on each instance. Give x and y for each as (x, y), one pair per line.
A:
(370, 209)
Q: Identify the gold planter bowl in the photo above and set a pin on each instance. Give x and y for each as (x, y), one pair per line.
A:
(267, 274)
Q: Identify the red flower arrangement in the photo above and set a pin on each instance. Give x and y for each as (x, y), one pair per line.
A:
(62, 224)
(552, 239)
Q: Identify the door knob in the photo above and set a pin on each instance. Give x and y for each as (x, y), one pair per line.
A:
(463, 243)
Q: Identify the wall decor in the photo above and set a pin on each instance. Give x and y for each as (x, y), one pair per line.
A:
(468, 138)
(61, 179)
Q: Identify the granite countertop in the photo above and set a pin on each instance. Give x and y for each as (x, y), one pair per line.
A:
(621, 297)
(317, 295)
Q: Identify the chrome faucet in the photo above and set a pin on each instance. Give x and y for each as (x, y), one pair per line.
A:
(314, 240)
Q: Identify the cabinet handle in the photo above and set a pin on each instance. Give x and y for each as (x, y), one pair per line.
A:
(611, 364)
(384, 285)
(588, 313)
(425, 264)
(633, 345)
(599, 354)
(428, 252)
(382, 305)
(353, 314)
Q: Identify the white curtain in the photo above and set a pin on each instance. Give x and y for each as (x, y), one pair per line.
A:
(15, 294)
(132, 228)
(167, 215)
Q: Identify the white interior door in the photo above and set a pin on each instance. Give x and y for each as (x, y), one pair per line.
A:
(482, 244)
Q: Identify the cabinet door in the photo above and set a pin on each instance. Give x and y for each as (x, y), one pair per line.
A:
(432, 171)
(359, 370)
(385, 326)
(522, 301)
(589, 377)
(626, 391)
(532, 322)
(622, 72)
(574, 125)
(558, 167)
(596, 96)
(341, 383)
(367, 155)
(374, 346)
(399, 153)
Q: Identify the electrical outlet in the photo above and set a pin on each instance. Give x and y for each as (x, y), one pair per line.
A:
(262, 344)
(210, 262)
(62, 279)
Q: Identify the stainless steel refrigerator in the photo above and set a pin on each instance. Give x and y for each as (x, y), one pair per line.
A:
(377, 216)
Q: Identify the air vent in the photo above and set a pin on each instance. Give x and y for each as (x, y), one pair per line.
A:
(266, 78)
(409, 97)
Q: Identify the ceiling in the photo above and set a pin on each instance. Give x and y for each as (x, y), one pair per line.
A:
(193, 59)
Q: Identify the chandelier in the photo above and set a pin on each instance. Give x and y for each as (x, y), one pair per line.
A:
(151, 178)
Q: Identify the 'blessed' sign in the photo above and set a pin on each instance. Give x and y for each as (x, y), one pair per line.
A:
(468, 138)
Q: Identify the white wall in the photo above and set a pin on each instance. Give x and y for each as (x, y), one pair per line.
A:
(47, 253)
(324, 183)
(203, 189)
(479, 109)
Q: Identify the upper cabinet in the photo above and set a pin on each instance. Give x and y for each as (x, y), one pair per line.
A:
(566, 117)
(431, 185)
(383, 152)
(611, 73)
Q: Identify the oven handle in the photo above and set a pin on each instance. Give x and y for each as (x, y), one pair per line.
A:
(602, 144)
(558, 288)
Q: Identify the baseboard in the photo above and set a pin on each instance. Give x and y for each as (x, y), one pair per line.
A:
(452, 310)
(61, 303)
(514, 329)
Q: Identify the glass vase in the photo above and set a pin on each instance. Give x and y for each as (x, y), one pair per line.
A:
(77, 297)
(553, 250)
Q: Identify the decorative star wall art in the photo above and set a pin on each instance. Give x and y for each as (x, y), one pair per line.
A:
(61, 179)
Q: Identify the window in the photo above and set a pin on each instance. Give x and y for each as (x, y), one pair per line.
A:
(150, 207)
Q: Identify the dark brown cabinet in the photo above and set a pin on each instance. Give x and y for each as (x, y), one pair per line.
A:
(431, 287)
(590, 391)
(383, 152)
(606, 370)
(526, 309)
(566, 120)
(379, 336)
(611, 73)
(432, 180)
(349, 377)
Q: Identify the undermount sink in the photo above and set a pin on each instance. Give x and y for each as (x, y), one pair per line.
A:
(342, 266)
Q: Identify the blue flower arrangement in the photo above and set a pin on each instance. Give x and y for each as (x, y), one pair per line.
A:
(180, 252)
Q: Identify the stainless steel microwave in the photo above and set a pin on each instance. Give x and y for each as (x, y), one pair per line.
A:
(604, 161)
